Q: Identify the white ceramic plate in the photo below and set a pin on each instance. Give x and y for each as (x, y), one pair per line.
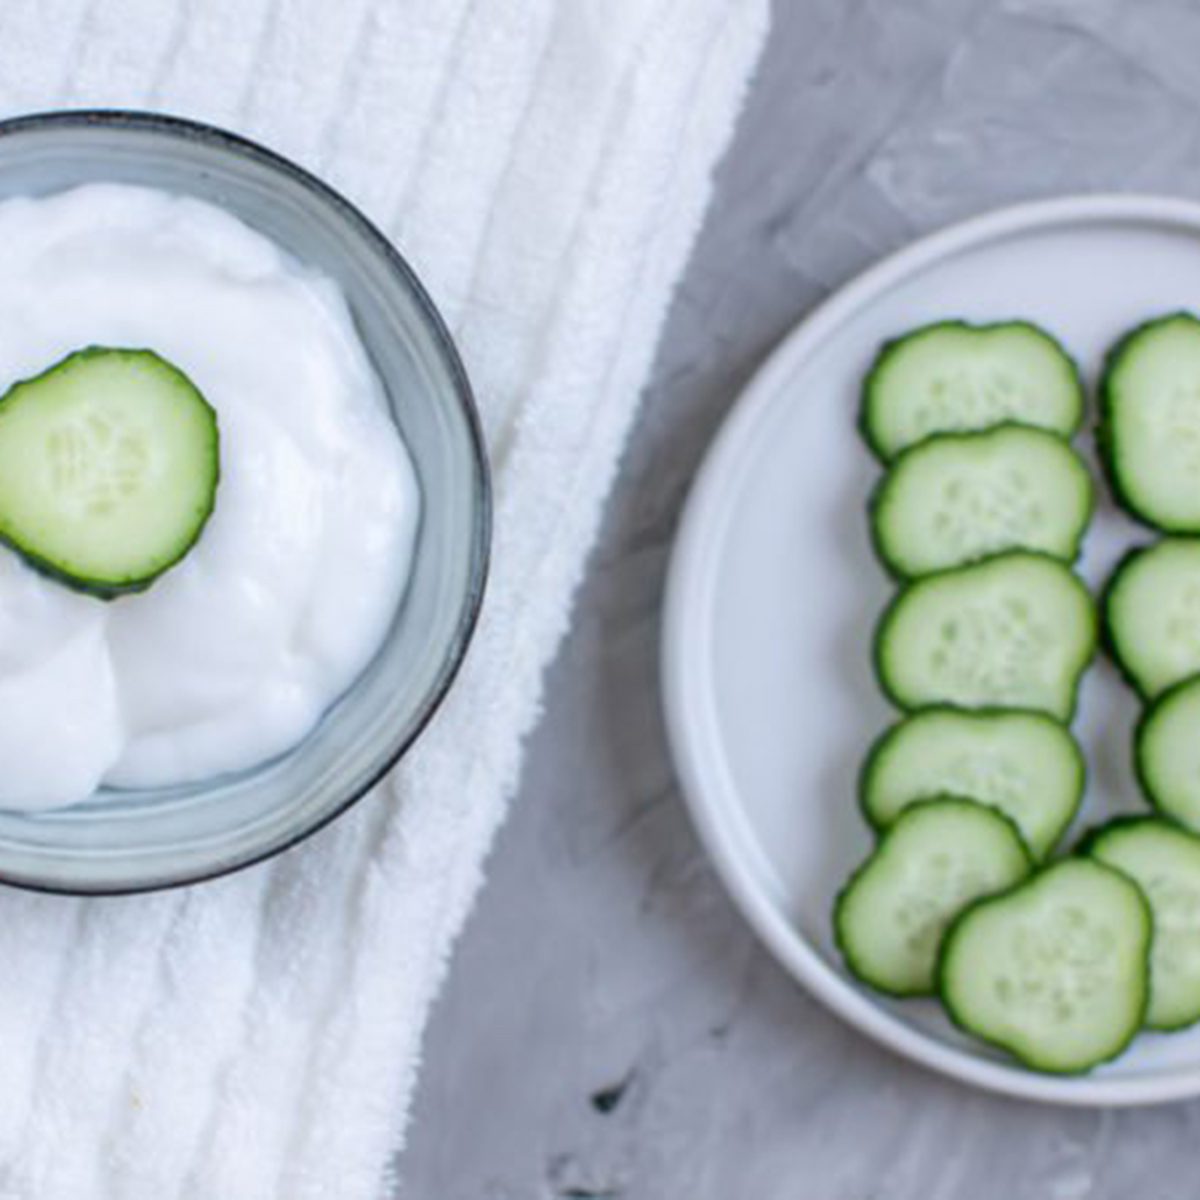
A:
(774, 591)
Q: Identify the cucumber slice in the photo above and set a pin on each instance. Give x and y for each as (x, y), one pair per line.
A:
(1023, 764)
(1055, 971)
(1150, 422)
(1015, 631)
(951, 377)
(1164, 861)
(954, 498)
(939, 856)
(1152, 614)
(1167, 753)
(108, 468)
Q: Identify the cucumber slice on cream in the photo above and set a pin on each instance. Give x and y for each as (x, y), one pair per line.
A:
(109, 462)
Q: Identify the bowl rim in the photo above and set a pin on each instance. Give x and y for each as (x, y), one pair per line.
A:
(185, 128)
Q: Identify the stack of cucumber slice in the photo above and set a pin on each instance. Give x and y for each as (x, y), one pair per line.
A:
(1150, 438)
(1150, 445)
(979, 516)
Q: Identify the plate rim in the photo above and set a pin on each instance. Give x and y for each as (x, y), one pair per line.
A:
(682, 672)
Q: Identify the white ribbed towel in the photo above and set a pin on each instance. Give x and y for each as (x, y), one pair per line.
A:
(545, 164)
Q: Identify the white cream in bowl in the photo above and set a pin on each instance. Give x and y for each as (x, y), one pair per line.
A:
(231, 657)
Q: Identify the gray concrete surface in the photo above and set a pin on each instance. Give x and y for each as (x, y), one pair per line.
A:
(610, 1028)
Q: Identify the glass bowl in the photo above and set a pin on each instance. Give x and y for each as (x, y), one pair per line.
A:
(126, 840)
